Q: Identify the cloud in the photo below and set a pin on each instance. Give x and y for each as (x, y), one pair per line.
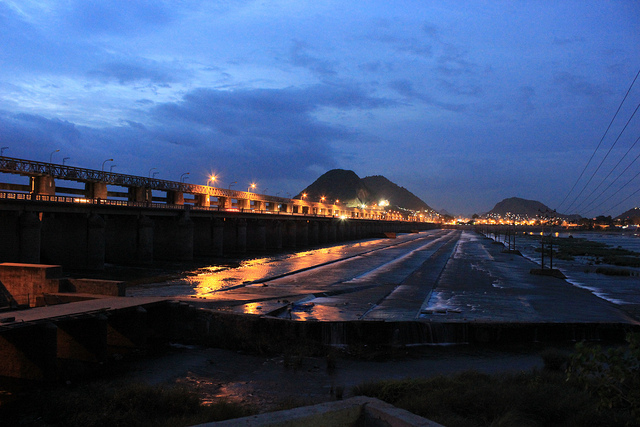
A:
(575, 85)
(126, 72)
(118, 16)
(406, 88)
(299, 56)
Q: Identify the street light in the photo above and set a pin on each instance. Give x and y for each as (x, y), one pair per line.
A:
(111, 169)
(2, 150)
(212, 178)
(64, 160)
(51, 156)
(253, 185)
(264, 191)
(183, 176)
(150, 172)
(154, 174)
(304, 195)
(234, 182)
(108, 160)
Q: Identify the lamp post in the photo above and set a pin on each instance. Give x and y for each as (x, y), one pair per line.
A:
(252, 185)
(154, 174)
(111, 168)
(150, 172)
(212, 178)
(64, 160)
(234, 182)
(51, 156)
(108, 160)
(2, 150)
(184, 176)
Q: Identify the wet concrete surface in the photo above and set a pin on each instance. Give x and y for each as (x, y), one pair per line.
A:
(436, 276)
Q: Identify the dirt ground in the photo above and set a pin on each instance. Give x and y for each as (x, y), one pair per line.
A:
(281, 382)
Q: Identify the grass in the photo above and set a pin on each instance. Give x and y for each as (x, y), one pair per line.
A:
(568, 248)
(537, 398)
(98, 404)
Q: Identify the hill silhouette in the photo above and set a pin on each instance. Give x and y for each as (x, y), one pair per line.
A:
(396, 195)
(524, 207)
(631, 214)
(350, 189)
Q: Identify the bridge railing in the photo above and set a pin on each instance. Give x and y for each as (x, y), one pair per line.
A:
(32, 197)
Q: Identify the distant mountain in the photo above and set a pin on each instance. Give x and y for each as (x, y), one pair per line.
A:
(633, 213)
(346, 186)
(523, 207)
(339, 184)
(396, 195)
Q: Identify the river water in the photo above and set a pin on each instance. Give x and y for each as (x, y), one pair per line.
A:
(581, 272)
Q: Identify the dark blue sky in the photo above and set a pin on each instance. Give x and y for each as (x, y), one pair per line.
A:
(463, 103)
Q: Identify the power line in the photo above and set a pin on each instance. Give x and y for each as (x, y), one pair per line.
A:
(605, 157)
(601, 139)
(619, 190)
(616, 178)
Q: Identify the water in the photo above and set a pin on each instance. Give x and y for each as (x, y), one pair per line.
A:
(580, 272)
(206, 282)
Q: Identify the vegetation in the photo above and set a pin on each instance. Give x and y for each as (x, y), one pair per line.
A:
(97, 404)
(590, 387)
(568, 248)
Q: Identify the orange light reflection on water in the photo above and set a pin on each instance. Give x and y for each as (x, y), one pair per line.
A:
(215, 278)
(318, 312)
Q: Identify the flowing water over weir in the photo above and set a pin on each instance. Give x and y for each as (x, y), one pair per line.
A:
(435, 287)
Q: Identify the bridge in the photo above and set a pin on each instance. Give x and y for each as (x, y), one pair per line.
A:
(155, 219)
(140, 189)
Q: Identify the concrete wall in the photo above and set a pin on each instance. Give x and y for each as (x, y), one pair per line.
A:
(27, 281)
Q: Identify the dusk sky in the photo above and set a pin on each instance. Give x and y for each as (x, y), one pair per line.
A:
(463, 103)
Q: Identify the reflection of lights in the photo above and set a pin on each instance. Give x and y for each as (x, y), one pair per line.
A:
(253, 308)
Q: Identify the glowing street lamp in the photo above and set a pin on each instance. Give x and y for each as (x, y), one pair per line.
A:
(212, 178)
(322, 199)
(252, 186)
(51, 156)
(304, 195)
(108, 160)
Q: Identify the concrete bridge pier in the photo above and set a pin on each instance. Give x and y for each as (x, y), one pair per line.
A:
(302, 237)
(129, 239)
(314, 233)
(333, 229)
(44, 185)
(323, 236)
(217, 237)
(127, 331)
(203, 200)
(290, 235)
(73, 240)
(30, 352)
(274, 235)
(257, 235)
(95, 190)
(175, 197)
(81, 344)
(173, 237)
(145, 241)
(30, 229)
(139, 194)
(241, 227)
